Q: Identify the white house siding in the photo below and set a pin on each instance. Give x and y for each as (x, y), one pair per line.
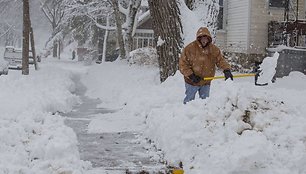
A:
(236, 15)
(221, 39)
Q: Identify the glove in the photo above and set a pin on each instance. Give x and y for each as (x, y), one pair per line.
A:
(194, 78)
(228, 74)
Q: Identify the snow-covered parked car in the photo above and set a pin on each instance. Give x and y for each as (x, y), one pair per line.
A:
(14, 57)
(3, 67)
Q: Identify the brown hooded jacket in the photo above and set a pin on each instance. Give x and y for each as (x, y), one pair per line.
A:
(201, 61)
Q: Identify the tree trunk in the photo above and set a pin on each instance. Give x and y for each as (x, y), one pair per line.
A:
(119, 29)
(167, 28)
(26, 35)
(55, 47)
(131, 18)
(59, 49)
(105, 40)
(104, 46)
(101, 34)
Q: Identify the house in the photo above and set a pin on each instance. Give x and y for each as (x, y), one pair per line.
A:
(143, 34)
(243, 25)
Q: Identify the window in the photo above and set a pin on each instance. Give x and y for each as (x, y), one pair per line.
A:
(278, 3)
(220, 16)
(151, 42)
(145, 42)
(143, 38)
(140, 43)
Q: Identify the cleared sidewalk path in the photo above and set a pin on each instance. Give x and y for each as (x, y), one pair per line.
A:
(123, 152)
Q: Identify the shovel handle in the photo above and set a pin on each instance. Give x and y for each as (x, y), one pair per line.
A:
(235, 76)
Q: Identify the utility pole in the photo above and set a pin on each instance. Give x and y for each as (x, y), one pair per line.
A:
(286, 13)
(26, 36)
(33, 48)
(297, 10)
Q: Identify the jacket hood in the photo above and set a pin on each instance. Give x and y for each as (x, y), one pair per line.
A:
(203, 31)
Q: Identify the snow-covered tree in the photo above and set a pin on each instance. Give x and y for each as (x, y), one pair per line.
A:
(81, 21)
(167, 30)
(202, 12)
(88, 23)
(10, 22)
(119, 28)
(127, 22)
(54, 11)
(130, 24)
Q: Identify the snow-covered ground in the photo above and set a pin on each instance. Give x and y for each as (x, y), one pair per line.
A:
(240, 128)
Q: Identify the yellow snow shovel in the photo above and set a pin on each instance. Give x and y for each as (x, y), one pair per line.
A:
(256, 71)
(256, 75)
(178, 171)
(234, 76)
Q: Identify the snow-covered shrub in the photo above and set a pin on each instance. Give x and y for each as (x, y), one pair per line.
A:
(144, 56)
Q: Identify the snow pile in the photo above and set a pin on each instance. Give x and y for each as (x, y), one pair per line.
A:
(238, 129)
(33, 138)
(124, 88)
(144, 56)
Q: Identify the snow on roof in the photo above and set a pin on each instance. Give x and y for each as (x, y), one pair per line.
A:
(143, 17)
